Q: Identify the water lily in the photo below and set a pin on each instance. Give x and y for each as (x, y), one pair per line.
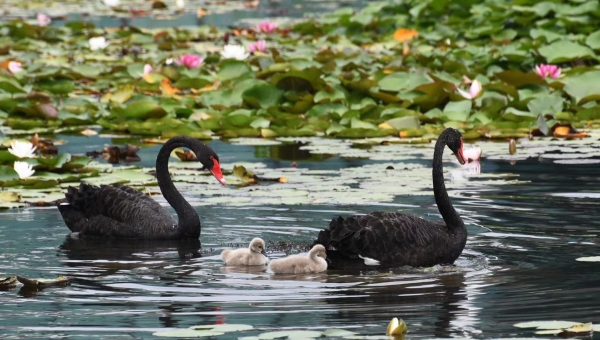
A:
(169, 61)
(251, 4)
(472, 153)
(474, 90)
(22, 149)
(15, 67)
(112, 3)
(24, 169)
(43, 20)
(257, 46)
(98, 43)
(234, 52)
(267, 27)
(548, 71)
(189, 61)
(147, 69)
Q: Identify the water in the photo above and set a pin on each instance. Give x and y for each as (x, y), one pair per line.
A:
(518, 265)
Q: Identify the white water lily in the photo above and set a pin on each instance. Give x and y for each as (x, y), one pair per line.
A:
(234, 52)
(22, 149)
(24, 169)
(112, 3)
(97, 43)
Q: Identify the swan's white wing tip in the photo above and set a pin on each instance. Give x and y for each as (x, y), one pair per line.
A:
(369, 261)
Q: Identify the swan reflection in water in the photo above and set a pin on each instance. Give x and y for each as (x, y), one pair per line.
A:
(113, 255)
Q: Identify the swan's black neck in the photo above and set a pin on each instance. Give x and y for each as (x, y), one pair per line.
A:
(451, 217)
(189, 221)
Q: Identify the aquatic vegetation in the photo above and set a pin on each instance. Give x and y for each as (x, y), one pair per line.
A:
(237, 52)
(258, 46)
(23, 169)
(397, 327)
(474, 90)
(44, 283)
(22, 149)
(561, 328)
(384, 70)
(548, 71)
(189, 61)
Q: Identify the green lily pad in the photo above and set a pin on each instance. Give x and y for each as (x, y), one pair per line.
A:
(566, 50)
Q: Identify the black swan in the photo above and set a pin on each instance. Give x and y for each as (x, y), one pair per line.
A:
(120, 211)
(391, 239)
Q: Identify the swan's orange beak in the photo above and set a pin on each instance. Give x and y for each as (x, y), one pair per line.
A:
(459, 155)
(216, 171)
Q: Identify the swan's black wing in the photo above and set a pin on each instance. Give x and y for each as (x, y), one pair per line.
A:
(393, 239)
(115, 211)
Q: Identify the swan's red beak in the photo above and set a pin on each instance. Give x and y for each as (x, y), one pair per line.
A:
(216, 171)
(459, 155)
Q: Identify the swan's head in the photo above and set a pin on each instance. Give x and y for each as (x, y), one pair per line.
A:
(454, 141)
(210, 160)
(318, 251)
(258, 246)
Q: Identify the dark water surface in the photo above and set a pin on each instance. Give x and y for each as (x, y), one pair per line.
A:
(518, 265)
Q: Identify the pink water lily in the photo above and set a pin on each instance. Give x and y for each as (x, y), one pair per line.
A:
(189, 61)
(15, 67)
(472, 153)
(257, 46)
(267, 27)
(43, 20)
(147, 69)
(474, 90)
(548, 71)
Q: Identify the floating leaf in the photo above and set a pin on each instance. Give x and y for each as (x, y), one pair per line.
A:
(44, 283)
(262, 95)
(565, 50)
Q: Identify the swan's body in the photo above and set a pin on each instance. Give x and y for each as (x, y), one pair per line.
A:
(120, 211)
(254, 255)
(390, 239)
(314, 262)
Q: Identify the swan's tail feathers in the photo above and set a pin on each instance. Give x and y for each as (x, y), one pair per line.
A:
(225, 254)
(82, 197)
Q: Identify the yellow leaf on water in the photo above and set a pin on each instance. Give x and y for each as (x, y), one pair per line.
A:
(581, 328)
(385, 125)
(9, 196)
(405, 34)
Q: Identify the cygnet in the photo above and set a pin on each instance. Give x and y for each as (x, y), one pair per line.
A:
(314, 262)
(254, 255)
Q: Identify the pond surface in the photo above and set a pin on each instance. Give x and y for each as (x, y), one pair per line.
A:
(518, 265)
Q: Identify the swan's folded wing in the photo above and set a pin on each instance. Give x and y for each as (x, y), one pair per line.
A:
(123, 206)
(381, 235)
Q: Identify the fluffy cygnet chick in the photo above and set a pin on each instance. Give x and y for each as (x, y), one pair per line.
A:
(254, 255)
(298, 264)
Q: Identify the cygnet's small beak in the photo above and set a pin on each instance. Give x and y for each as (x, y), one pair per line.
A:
(264, 253)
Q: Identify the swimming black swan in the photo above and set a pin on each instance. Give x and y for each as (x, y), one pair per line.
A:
(122, 212)
(394, 239)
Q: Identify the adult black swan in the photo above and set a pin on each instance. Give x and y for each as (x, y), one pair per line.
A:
(390, 239)
(120, 211)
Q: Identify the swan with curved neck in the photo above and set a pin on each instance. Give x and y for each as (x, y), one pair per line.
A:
(120, 211)
(391, 239)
